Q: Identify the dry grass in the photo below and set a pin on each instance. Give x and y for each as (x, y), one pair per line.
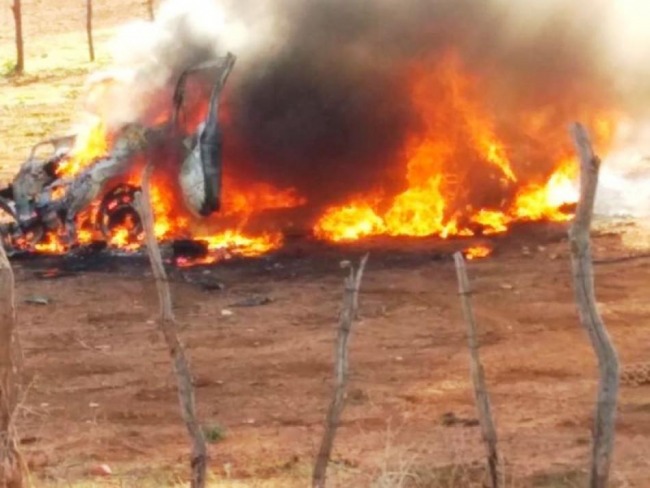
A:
(42, 102)
(161, 479)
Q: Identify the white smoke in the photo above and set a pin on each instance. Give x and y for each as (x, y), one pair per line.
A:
(624, 186)
(148, 57)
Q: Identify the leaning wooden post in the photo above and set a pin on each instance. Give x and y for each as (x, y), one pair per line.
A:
(347, 317)
(481, 396)
(10, 466)
(168, 327)
(583, 282)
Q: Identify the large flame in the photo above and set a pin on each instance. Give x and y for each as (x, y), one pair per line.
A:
(171, 221)
(457, 151)
(457, 126)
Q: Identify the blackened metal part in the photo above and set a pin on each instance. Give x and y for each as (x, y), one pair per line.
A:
(225, 64)
(90, 249)
(52, 165)
(7, 193)
(205, 156)
(210, 146)
(204, 279)
(189, 249)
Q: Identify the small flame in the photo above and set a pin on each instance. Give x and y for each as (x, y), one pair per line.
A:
(50, 245)
(231, 243)
(545, 202)
(91, 143)
(477, 252)
(241, 244)
(492, 221)
(349, 223)
(122, 235)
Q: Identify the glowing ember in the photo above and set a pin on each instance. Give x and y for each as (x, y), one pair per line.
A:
(477, 252)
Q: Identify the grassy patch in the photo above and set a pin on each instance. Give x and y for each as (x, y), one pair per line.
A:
(7, 68)
(214, 433)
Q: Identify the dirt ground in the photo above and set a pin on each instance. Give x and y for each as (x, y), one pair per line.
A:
(99, 382)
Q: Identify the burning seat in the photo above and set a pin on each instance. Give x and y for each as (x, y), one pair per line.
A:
(40, 201)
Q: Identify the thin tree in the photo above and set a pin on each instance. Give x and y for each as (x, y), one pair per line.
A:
(150, 8)
(89, 29)
(10, 466)
(16, 8)
(347, 317)
(481, 396)
(583, 279)
(169, 330)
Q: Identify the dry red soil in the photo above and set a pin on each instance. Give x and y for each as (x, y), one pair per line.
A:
(99, 387)
(101, 390)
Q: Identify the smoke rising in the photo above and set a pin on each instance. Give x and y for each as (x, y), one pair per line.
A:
(319, 100)
(148, 57)
(326, 108)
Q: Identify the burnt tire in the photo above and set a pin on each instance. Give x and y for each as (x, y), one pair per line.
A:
(116, 209)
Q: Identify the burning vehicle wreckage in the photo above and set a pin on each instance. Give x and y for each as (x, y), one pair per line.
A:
(41, 201)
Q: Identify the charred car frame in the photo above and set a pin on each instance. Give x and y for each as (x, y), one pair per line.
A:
(39, 201)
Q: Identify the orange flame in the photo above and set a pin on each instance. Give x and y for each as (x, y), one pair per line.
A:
(350, 222)
(91, 143)
(171, 221)
(438, 177)
(545, 202)
(231, 243)
(458, 140)
(477, 252)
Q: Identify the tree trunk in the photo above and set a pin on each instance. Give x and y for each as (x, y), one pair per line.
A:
(151, 12)
(89, 28)
(18, 21)
(10, 469)
(583, 279)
